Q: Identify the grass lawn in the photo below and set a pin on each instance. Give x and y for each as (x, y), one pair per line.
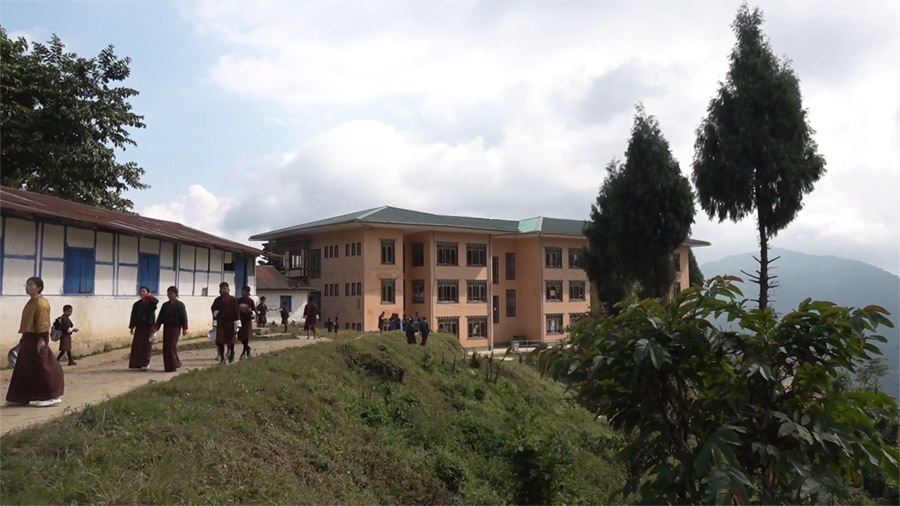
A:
(367, 421)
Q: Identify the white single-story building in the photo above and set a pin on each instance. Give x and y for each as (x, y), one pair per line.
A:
(278, 291)
(96, 260)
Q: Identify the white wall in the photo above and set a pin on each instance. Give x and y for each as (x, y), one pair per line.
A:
(35, 248)
(273, 301)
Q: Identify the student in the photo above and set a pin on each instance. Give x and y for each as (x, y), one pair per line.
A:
(173, 318)
(285, 313)
(227, 322)
(329, 326)
(37, 378)
(67, 328)
(311, 314)
(381, 322)
(410, 333)
(424, 329)
(261, 310)
(247, 309)
(143, 319)
(337, 326)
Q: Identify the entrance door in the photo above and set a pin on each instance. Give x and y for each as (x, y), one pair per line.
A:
(240, 273)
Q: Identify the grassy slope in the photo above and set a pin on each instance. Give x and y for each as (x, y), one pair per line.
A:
(324, 424)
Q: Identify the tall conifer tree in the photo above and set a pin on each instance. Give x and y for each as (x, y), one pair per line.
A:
(755, 149)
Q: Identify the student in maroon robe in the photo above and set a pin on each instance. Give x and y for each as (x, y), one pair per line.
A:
(67, 328)
(174, 321)
(227, 322)
(143, 320)
(261, 310)
(37, 377)
(246, 308)
(285, 314)
(311, 314)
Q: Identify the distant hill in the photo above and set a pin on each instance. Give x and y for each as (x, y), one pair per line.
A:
(845, 282)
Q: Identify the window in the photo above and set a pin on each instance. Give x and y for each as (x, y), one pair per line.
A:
(476, 255)
(576, 317)
(448, 324)
(296, 261)
(359, 248)
(446, 253)
(511, 303)
(676, 288)
(315, 264)
(510, 266)
(553, 258)
(576, 258)
(387, 251)
(495, 308)
(418, 254)
(359, 289)
(448, 290)
(554, 324)
(477, 326)
(476, 291)
(327, 252)
(495, 270)
(346, 288)
(79, 271)
(418, 291)
(576, 290)
(387, 291)
(676, 261)
(352, 288)
(553, 289)
(347, 250)
(353, 249)
(148, 272)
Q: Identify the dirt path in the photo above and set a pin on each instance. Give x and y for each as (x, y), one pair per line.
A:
(99, 377)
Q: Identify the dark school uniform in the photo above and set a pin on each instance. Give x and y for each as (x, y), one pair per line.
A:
(174, 320)
(37, 375)
(143, 321)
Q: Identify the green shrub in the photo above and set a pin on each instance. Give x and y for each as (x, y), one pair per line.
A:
(747, 415)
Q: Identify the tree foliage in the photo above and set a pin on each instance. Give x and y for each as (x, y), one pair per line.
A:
(755, 149)
(746, 415)
(643, 212)
(63, 122)
(694, 272)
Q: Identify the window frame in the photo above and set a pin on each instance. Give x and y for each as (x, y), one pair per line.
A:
(448, 287)
(553, 257)
(473, 286)
(83, 263)
(553, 283)
(511, 308)
(416, 284)
(450, 250)
(388, 291)
(476, 255)
(510, 266)
(574, 285)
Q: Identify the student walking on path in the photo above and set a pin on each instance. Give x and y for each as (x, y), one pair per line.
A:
(246, 309)
(311, 313)
(227, 321)
(66, 328)
(143, 320)
(37, 377)
(174, 321)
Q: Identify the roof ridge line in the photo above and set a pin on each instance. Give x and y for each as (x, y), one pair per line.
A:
(371, 212)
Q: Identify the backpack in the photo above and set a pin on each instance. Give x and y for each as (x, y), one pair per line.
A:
(56, 332)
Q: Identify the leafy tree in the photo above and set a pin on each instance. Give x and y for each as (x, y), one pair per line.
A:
(644, 212)
(696, 275)
(63, 121)
(755, 149)
(747, 415)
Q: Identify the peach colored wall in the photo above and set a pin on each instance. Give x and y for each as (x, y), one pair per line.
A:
(375, 271)
(684, 276)
(340, 270)
(463, 308)
(508, 326)
(530, 289)
(424, 272)
(564, 274)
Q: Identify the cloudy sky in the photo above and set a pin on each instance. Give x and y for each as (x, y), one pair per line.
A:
(262, 115)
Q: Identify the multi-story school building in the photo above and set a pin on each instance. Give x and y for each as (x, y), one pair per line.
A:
(489, 281)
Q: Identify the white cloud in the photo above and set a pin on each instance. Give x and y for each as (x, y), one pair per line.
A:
(198, 208)
(512, 109)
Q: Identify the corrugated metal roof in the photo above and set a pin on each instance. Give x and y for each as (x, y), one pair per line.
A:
(394, 216)
(30, 204)
(268, 278)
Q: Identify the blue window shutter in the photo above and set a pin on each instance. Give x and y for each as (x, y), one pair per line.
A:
(79, 271)
(148, 271)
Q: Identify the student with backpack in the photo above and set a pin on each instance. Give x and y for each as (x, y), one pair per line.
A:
(62, 331)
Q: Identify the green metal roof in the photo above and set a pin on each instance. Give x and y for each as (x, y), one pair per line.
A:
(395, 216)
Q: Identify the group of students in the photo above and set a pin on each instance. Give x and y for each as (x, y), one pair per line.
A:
(38, 379)
(410, 325)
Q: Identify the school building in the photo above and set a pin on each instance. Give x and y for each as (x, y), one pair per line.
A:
(489, 281)
(96, 260)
